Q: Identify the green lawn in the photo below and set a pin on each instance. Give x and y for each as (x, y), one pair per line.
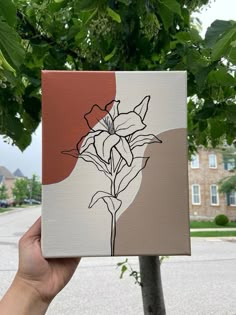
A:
(12, 208)
(210, 224)
(213, 234)
(5, 209)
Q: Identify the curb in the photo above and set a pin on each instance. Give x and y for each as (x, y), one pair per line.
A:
(15, 210)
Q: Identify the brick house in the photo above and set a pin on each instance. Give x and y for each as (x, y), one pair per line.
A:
(8, 179)
(205, 170)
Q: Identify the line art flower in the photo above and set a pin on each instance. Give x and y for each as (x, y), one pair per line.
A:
(109, 145)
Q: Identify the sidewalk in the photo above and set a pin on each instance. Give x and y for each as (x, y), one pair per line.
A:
(213, 229)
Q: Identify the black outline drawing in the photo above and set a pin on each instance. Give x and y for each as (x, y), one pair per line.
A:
(122, 136)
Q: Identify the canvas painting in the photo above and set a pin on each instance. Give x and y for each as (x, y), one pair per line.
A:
(115, 176)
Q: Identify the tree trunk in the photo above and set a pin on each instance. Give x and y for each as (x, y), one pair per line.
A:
(153, 299)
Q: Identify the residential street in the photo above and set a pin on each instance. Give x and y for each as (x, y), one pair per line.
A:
(202, 284)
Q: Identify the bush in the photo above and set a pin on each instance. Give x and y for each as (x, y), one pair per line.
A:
(221, 219)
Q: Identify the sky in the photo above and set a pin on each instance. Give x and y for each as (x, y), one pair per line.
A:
(30, 161)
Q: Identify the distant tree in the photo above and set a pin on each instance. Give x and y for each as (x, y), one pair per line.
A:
(20, 190)
(34, 188)
(228, 184)
(3, 192)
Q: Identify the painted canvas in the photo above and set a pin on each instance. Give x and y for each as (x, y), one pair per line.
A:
(114, 164)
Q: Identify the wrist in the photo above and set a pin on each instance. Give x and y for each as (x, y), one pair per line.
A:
(23, 298)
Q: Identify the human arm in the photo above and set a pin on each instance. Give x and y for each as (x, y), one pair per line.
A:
(38, 280)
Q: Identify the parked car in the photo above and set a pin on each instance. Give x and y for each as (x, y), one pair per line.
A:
(3, 204)
(32, 202)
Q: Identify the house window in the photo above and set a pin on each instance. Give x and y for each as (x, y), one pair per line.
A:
(214, 195)
(212, 161)
(231, 198)
(196, 197)
(229, 164)
(195, 161)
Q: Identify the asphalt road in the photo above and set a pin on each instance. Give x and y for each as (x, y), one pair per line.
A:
(202, 284)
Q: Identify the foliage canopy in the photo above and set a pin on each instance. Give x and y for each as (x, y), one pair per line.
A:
(3, 192)
(116, 35)
(228, 183)
(25, 188)
(20, 189)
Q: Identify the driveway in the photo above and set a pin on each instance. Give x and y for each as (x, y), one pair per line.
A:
(202, 284)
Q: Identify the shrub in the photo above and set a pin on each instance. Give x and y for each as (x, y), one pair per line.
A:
(221, 219)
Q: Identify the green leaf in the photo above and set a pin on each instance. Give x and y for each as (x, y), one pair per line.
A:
(126, 2)
(216, 30)
(194, 61)
(8, 11)
(172, 5)
(109, 56)
(123, 270)
(183, 36)
(122, 262)
(15, 130)
(233, 44)
(10, 45)
(195, 36)
(191, 36)
(222, 46)
(24, 140)
(167, 16)
(232, 55)
(221, 78)
(58, 1)
(87, 4)
(5, 65)
(114, 15)
(216, 128)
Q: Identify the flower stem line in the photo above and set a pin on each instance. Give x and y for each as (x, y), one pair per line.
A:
(112, 132)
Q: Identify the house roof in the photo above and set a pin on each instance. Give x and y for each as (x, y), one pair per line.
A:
(18, 173)
(1, 178)
(5, 172)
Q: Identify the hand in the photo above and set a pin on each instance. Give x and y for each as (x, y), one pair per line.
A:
(38, 277)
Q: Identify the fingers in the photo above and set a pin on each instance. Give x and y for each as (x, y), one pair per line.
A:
(34, 230)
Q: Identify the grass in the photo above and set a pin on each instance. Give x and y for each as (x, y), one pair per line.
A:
(5, 209)
(209, 225)
(2, 210)
(213, 234)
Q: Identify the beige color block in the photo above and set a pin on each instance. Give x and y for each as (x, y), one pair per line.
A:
(156, 222)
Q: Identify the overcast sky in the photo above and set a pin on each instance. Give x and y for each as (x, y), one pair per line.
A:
(30, 161)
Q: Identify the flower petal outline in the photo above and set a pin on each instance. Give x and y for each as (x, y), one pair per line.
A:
(97, 196)
(72, 152)
(113, 108)
(140, 140)
(104, 142)
(92, 158)
(128, 173)
(124, 150)
(113, 204)
(128, 123)
(87, 140)
(98, 119)
(142, 108)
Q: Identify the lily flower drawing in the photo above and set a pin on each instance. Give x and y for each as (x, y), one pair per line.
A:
(110, 146)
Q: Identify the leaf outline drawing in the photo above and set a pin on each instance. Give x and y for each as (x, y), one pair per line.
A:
(111, 134)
